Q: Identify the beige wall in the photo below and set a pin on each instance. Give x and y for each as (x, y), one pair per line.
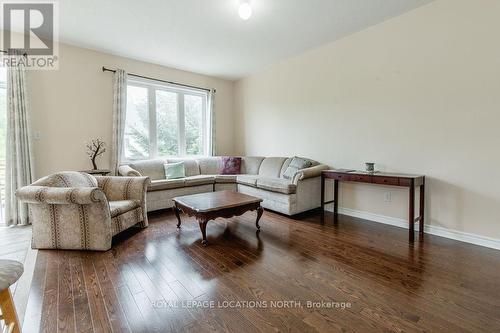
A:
(72, 105)
(419, 93)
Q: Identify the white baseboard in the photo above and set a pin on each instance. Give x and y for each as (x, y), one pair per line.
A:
(430, 229)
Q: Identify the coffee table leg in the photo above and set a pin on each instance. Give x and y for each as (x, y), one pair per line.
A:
(177, 214)
(260, 211)
(203, 228)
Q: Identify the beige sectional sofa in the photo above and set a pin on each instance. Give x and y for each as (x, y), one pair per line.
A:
(260, 176)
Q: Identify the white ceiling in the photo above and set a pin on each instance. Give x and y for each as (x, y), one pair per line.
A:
(207, 36)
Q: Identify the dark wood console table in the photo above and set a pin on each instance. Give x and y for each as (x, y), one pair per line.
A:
(380, 178)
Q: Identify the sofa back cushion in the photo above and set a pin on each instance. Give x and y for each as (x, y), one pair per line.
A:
(191, 166)
(152, 168)
(271, 167)
(250, 165)
(210, 165)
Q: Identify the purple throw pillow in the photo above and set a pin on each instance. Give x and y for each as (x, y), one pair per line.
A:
(231, 165)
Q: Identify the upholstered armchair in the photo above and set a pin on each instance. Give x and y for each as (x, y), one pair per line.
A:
(77, 211)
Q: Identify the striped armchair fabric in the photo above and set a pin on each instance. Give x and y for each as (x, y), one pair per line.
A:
(77, 211)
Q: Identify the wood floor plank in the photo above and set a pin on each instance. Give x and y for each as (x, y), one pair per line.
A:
(163, 313)
(114, 309)
(83, 316)
(134, 317)
(152, 319)
(65, 306)
(100, 320)
(34, 306)
(131, 281)
(50, 295)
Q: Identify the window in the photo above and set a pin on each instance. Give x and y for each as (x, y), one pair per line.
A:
(165, 121)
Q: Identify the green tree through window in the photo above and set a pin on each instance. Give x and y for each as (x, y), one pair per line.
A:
(164, 122)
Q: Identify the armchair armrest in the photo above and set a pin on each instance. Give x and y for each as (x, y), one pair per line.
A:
(311, 172)
(60, 195)
(123, 188)
(126, 170)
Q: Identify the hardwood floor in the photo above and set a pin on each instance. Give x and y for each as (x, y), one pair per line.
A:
(159, 280)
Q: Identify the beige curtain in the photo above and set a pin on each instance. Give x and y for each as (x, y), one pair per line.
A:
(19, 160)
(119, 116)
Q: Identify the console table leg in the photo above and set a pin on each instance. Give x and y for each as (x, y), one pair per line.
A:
(422, 209)
(260, 211)
(411, 213)
(203, 228)
(177, 214)
(335, 200)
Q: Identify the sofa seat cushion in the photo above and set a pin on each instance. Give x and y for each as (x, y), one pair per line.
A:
(122, 206)
(126, 220)
(250, 180)
(199, 180)
(225, 179)
(276, 185)
(165, 184)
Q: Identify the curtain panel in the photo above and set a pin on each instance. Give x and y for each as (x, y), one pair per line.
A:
(19, 159)
(119, 116)
(211, 111)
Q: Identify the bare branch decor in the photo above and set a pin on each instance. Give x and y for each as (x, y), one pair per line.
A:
(95, 148)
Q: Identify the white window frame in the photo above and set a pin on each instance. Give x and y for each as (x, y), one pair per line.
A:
(152, 86)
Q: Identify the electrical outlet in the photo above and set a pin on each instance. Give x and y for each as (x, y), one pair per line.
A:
(388, 196)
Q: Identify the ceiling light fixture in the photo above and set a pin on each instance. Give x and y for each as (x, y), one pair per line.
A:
(245, 11)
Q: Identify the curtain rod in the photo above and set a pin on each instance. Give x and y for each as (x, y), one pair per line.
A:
(104, 69)
(24, 54)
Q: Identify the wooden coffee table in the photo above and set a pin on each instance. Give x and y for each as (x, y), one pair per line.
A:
(209, 206)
